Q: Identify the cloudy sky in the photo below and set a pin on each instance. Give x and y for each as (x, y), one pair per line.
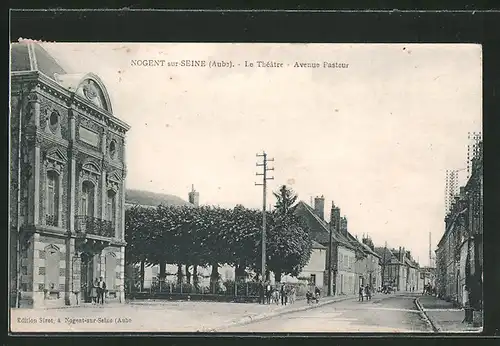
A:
(376, 137)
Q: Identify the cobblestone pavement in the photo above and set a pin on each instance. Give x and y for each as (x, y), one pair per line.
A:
(444, 316)
(384, 313)
(146, 316)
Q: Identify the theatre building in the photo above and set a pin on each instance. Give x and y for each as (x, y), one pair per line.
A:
(67, 183)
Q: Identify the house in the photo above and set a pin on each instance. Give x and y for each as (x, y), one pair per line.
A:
(393, 273)
(459, 254)
(68, 148)
(343, 252)
(412, 272)
(314, 271)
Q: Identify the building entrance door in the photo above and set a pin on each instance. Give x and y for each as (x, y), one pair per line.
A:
(87, 276)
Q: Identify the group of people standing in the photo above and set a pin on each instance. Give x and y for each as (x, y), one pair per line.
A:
(365, 292)
(285, 293)
(97, 291)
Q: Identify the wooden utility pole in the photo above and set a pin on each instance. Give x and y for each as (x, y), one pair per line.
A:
(265, 178)
(334, 224)
(330, 248)
(384, 264)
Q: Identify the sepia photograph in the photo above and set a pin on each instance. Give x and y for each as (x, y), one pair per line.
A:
(245, 188)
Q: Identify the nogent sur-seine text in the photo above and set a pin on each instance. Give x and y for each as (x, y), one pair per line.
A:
(189, 63)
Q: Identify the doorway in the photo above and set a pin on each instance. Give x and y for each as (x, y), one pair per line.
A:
(88, 275)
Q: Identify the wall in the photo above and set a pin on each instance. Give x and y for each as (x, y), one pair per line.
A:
(315, 266)
(346, 276)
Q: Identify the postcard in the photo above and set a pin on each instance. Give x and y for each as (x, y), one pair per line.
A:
(245, 187)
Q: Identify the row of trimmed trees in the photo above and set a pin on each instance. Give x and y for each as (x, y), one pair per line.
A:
(214, 236)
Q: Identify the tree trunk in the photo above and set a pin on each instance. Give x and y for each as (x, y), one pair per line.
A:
(277, 276)
(179, 274)
(142, 275)
(239, 273)
(214, 277)
(188, 274)
(195, 275)
(163, 271)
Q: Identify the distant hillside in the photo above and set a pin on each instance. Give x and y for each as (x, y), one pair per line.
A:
(148, 198)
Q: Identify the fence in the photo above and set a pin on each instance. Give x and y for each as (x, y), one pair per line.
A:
(228, 288)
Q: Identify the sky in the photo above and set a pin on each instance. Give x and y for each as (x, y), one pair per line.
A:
(376, 138)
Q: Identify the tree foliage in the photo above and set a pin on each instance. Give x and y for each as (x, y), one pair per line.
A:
(216, 236)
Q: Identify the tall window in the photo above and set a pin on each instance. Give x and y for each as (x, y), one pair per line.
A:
(87, 202)
(111, 207)
(52, 197)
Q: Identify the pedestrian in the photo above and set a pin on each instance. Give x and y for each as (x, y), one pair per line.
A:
(317, 293)
(293, 294)
(361, 293)
(93, 292)
(101, 290)
(268, 293)
(367, 292)
(283, 295)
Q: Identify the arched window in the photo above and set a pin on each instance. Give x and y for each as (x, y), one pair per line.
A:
(52, 198)
(87, 199)
(111, 207)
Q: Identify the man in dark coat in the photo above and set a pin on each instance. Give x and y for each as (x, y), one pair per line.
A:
(284, 295)
(101, 290)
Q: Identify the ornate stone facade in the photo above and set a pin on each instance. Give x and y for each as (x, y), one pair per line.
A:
(69, 224)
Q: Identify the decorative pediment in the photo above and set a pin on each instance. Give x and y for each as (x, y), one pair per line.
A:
(90, 171)
(114, 176)
(92, 89)
(113, 180)
(91, 167)
(56, 155)
(55, 159)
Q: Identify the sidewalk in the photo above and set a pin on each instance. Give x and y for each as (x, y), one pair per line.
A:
(153, 316)
(443, 316)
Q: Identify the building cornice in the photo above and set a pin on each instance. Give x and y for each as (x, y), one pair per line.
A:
(46, 84)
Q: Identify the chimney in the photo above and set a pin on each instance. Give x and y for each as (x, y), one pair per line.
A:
(343, 225)
(194, 197)
(319, 207)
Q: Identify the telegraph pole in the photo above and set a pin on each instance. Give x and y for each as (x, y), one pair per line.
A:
(384, 264)
(265, 178)
(334, 224)
(330, 248)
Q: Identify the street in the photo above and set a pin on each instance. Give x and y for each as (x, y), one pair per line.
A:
(384, 313)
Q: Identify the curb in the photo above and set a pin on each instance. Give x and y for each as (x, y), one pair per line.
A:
(435, 329)
(266, 316)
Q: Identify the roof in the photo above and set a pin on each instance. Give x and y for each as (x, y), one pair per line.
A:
(319, 228)
(153, 199)
(316, 245)
(31, 56)
(369, 249)
(390, 257)
(411, 262)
